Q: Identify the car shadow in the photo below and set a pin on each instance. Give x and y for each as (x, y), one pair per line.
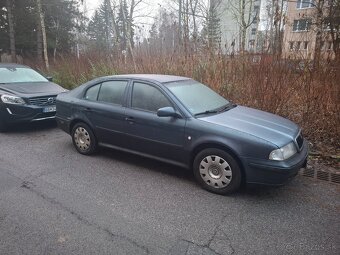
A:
(250, 191)
(32, 126)
(146, 163)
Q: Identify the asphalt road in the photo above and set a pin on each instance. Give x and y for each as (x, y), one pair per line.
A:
(56, 201)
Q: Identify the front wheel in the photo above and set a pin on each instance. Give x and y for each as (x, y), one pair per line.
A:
(83, 139)
(217, 171)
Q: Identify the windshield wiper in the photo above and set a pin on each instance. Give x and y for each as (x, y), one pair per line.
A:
(206, 112)
(226, 107)
(218, 110)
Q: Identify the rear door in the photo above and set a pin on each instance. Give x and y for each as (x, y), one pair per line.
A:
(105, 108)
(147, 133)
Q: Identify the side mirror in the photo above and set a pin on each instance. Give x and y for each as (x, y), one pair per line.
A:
(49, 78)
(168, 112)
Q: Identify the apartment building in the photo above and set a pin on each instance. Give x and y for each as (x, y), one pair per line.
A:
(230, 20)
(300, 31)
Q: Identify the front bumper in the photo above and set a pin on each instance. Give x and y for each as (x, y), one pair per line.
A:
(270, 172)
(12, 114)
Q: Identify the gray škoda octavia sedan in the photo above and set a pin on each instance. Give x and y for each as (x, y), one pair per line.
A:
(183, 122)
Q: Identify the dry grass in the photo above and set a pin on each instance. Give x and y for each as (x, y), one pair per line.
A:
(308, 97)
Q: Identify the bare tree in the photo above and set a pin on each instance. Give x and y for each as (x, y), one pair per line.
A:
(41, 22)
(127, 11)
(318, 31)
(193, 9)
(326, 25)
(333, 21)
(39, 41)
(277, 20)
(242, 11)
(9, 7)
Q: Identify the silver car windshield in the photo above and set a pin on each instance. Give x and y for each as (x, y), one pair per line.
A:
(196, 97)
(15, 75)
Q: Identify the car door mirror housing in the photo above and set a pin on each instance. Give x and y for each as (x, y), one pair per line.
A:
(49, 78)
(168, 112)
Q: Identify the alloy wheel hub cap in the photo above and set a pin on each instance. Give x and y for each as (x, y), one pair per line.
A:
(82, 138)
(215, 171)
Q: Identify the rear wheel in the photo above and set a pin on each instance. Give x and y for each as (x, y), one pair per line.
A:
(84, 139)
(217, 171)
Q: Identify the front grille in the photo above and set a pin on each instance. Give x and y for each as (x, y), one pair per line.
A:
(43, 101)
(299, 140)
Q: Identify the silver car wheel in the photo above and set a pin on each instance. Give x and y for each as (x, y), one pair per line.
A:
(215, 171)
(82, 139)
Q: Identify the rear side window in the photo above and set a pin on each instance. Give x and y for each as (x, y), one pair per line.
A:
(92, 93)
(112, 92)
(148, 98)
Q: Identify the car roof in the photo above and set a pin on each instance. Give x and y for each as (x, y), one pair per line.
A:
(151, 77)
(12, 65)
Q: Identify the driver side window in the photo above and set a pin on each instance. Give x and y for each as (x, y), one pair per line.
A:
(148, 98)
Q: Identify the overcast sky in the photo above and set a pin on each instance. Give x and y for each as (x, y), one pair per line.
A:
(148, 9)
(147, 6)
(144, 13)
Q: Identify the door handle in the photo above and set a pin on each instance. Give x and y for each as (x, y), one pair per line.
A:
(131, 120)
(87, 109)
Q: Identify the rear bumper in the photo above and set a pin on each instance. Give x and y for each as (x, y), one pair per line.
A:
(12, 114)
(269, 172)
(63, 124)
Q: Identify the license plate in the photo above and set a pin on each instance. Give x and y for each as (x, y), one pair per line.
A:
(50, 109)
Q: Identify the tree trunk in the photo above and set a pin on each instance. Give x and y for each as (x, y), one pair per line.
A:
(243, 26)
(115, 28)
(193, 6)
(318, 38)
(43, 32)
(334, 12)
(180, 21)
(9, 5)
(127, 31)
(39, 42)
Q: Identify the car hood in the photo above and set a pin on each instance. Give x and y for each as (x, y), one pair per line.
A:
(264, 125)
(26, 89)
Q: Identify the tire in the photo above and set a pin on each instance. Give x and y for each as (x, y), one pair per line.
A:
(217, 171)
(83, 139)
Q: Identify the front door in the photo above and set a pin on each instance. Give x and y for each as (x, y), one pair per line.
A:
(149, 134)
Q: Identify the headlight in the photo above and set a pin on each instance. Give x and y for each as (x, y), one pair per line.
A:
(284, 152)
(7, 99)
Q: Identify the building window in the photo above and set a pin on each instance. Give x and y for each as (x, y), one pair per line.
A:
(253, 31)
(305, 45)
(301, 25)
(256, 8)
(252, 43)
(300, 4)
(291, 45)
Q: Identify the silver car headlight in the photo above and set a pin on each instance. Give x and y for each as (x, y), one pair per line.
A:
(283, 153)
(7, 99)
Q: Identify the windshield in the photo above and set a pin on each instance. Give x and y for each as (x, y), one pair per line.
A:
(20, 74)
(196, 97)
